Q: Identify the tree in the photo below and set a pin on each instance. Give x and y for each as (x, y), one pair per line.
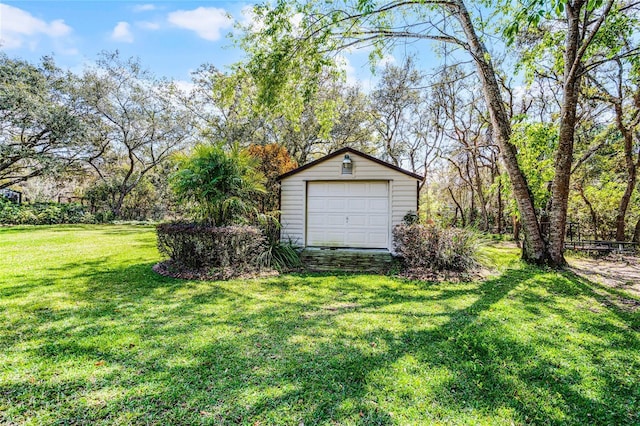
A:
(136, 123)
(273, 160)
(41, 127)
(327, 26)
(224, 105)
(616, 88)
(222, 187)
(471, 149)
(395, 100)
(228, 109)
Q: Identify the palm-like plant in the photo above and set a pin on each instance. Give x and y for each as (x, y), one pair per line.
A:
(220, 186)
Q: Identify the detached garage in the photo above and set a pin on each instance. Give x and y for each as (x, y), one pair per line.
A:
(347, 199)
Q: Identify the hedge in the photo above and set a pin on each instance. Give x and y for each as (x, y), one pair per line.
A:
(43, 213)
(198, 246)
(435, 248)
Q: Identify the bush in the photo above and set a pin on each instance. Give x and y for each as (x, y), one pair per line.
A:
(221, 186)
(42, 213)
(281, 256)
(434, 248)
(198, 246)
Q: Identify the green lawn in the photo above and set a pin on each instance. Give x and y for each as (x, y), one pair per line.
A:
(90, 335)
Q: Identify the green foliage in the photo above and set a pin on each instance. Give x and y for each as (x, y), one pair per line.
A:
(411, 218)
(279, 255)
(221, 186)
(148, 200)
(136, 123)
(202, 246)
(530, 13)
(434, 248)
(40, 120)
(286, 60)
(536, 145)
(43, 213)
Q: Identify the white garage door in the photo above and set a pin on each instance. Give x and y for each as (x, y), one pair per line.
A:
(348, 214)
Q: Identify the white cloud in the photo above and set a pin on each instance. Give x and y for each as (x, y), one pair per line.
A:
(147, 25)
(250, 20)
(352, 74)
(184, 85)
(122, 32)
(207, 22)
(344, 65)
(18, 27)
(144, 7)
(387, 59)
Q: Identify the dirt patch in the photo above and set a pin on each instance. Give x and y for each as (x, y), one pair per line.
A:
(621, 272)
(170, 269)
(423, 274)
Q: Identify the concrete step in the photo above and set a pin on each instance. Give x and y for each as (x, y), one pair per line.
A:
(348, 260)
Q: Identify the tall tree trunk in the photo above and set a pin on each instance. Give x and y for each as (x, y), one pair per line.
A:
(575, 47)
(624, 204)
(564, 154)
(117, 205)
(458, 206)
(632, 171)
(592, 212)
(481, 198)
(516, 229)
(534, 249)
(500, 208)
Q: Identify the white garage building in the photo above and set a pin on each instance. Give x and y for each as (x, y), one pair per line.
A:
(347, 199)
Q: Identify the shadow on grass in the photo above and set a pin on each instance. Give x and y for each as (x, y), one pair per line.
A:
(320, 348)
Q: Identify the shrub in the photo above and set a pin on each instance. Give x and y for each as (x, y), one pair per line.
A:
(273, 161)
(435, 248)
(411, 218)
(42, 213)
(278, 255)
(221, 186)
(198, 246)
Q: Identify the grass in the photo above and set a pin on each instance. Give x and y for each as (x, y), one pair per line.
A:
(90, 335)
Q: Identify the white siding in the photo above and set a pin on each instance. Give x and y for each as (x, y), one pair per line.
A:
(403, 189)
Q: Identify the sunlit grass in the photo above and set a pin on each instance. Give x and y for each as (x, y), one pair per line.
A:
(89, 334)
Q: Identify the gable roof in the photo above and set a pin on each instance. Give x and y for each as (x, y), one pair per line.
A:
(353, 151)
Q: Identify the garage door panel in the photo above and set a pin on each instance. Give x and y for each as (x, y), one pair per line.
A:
(316, 219)
(379, 187)
(336, 237)
(348, 214)
(335, 220)
(314, 204)
(339, 204)
(379, 238)
(359, 190)
(317, 188)
(357, 220)
(357, 204)
(378, 221)
(357, 238)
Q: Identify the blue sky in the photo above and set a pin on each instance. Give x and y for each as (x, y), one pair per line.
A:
(172, 38)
